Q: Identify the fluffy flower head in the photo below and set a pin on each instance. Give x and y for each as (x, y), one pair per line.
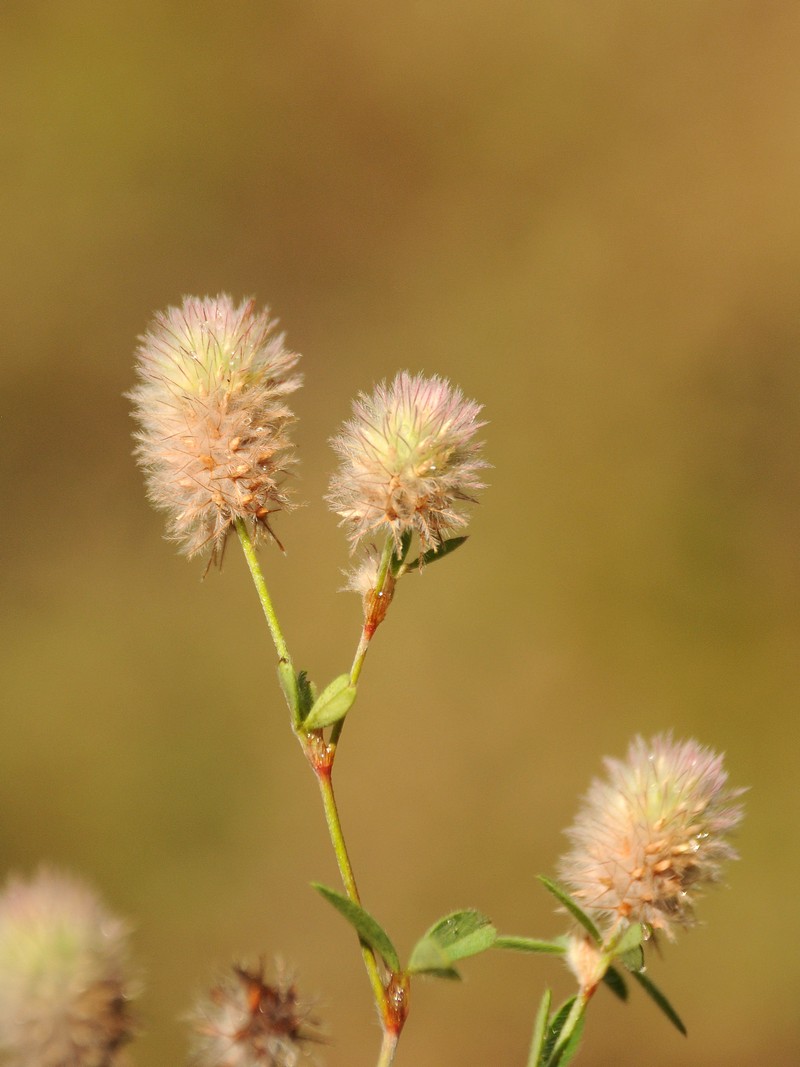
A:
(63, 991)
(651, 836)
(408, 458)
(211, 407)
(246, 1022)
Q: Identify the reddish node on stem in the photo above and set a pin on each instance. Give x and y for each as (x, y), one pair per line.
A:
(376, 604)
(318, 753)
(398, 990)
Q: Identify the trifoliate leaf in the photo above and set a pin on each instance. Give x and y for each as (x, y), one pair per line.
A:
(367, 928)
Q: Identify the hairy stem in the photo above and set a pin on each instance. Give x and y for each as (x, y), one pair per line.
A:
(263, 592)
(388, 1048)
(323, 768)
(349, 881)
(371, 623)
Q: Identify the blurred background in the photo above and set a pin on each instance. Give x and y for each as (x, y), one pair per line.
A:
(588, 216)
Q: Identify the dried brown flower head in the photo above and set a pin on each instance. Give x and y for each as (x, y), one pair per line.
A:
(248, 1022)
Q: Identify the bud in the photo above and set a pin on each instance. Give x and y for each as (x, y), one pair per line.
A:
(211, 407)
(649, 839)
(63, 991)
(363, 580)
(246, 1022)
(408, 460)
(587, 962)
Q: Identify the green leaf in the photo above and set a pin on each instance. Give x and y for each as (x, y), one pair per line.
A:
(428, 957)
(627, 947)
(288, 684)
(332, 704)
(554, 1028)
(630, 938)
(633, 959)
(567, 1052)
(434, 554)
(658, 997)
(300, 693)
(450, 973)
(530, 944)
(560, 1048)
(616, 983)
(464, 933)
(540, 1030)
(367, 928)
(455, 937)
(572, 907)
(307, 693)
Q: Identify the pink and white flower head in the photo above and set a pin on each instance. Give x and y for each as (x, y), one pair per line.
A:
(408, 460)
(64, 988)
(652, 836)
(213, 417)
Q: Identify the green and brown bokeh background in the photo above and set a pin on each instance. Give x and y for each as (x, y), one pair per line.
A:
(587, 215)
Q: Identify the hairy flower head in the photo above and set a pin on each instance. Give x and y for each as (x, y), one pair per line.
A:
(211, 406)
(63, 990)
(247, 1022)
(652, 835)
(408, 459)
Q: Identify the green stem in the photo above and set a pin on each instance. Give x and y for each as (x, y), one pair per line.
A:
(388, 1048)
(367, 632)
(323, 773)
(349, 881)
(263, 592)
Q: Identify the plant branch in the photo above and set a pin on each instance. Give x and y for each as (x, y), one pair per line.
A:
(388, 1048)
(349, 881)
(263, 593)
